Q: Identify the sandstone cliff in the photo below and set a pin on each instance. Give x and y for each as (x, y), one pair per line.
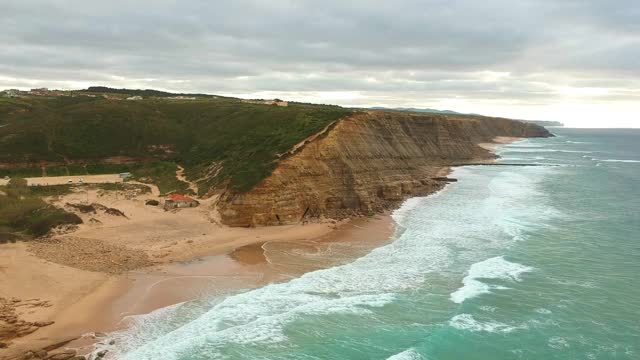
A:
(366, 163)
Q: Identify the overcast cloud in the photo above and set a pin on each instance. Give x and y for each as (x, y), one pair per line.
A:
(572, 61)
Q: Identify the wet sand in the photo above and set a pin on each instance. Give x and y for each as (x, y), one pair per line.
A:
(250, 266)
(110, 299)
(195, 256)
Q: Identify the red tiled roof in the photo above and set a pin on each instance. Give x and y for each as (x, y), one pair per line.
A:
(177, 197)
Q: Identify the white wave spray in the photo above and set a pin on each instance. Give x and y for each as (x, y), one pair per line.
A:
(485, 211)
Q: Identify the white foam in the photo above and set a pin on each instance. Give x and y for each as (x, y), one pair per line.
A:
(409, 354)
(487, 209)
(493, 268)
(558, 343)
(488, 308)
(509, 158)
(618, 160)
(539, 150)
(468, 323)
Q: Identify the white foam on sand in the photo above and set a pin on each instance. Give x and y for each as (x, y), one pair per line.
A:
(487, 209)
(409, 354)
(493, 268)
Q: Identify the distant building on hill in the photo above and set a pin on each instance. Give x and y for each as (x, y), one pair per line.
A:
(180, 97)
(279, 102)
(39, 92)
(276, 102)
(11, 93)
(134, 98)
(179, 201)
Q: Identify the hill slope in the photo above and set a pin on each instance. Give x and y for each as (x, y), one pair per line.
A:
(271, 165)
(217, 140)
(368, 163)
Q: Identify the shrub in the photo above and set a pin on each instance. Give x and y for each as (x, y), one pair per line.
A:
(152, 202)
(23, 211)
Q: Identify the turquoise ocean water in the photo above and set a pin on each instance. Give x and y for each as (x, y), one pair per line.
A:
(539, 262)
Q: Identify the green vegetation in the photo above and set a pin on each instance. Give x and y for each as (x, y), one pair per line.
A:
(135, 92)
(23, 213)
(162, 174)
(140, 189)
(54, 190)
(218, 141)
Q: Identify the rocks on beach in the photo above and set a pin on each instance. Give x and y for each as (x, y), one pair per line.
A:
(94, 208)
(444, 178)
(66, 354)
(12, 326)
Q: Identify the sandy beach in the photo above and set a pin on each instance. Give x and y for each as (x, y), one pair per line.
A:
(65, 290)
(86, 280)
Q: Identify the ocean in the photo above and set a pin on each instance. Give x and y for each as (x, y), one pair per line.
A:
(510, 262)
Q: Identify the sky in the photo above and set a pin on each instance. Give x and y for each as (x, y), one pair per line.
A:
(574, 61)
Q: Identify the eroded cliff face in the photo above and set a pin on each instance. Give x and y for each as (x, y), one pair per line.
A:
(367, 163)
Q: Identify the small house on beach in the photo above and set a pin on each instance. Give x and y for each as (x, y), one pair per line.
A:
(179, 201)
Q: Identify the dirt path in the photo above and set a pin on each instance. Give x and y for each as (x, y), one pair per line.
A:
(180, 176)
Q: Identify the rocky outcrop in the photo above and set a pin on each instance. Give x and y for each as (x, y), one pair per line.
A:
(367, 163)
(12, 325)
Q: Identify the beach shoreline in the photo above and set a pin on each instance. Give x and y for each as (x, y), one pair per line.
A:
(187, 254)
(83, 304)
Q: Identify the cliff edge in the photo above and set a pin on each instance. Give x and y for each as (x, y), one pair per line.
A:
(368, 162)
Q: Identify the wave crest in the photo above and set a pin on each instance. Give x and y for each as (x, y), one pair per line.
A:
(493, 268)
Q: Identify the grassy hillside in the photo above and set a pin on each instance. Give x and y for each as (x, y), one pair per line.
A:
(24, 213)
(217, 140)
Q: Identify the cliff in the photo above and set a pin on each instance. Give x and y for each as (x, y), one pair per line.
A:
(368, 162)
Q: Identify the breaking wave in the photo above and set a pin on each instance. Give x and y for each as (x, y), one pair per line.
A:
(481, 214)
(493, 268)
(617, 160)
(410, 354)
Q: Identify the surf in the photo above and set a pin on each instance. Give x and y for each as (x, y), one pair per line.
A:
(476, 218)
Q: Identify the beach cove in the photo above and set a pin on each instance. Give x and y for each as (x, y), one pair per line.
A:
(510, 261)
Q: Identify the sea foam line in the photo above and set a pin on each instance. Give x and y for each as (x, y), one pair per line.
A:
(617, 160)
(433, 229)
(493, 268)
(469, 323)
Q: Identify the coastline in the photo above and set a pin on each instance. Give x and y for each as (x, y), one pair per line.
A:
(191, 256)
(85, 304)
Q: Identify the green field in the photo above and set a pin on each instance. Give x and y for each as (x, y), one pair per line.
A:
(219, 141)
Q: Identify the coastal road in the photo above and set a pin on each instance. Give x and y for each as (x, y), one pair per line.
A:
(62, 180)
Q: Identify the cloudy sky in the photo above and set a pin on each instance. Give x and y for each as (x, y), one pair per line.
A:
(576, 61)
